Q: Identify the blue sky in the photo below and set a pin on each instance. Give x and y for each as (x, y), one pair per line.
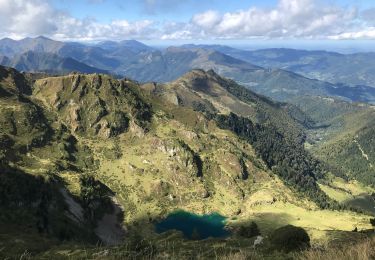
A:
(173, 10)
(169, 21)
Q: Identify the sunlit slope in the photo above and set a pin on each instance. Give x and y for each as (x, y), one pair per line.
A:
(201, 143)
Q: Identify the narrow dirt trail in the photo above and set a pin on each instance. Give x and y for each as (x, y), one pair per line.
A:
(364, 155)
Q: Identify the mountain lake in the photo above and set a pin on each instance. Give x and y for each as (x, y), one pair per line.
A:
(194, 226)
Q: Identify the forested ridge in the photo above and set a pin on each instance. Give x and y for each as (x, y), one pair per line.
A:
(295, 166)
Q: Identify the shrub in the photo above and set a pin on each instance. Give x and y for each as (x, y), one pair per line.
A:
(290, 238)
(195, 234)
(372, 221)
(94, 197)
(249, 231)
(141, 247)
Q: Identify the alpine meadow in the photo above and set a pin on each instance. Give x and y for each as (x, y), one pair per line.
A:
(166, 129)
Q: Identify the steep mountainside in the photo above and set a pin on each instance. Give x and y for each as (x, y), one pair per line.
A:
(115, 157)
(4, 60)
(341, 135)
(34, 147)
(224, 96)
(348, 144)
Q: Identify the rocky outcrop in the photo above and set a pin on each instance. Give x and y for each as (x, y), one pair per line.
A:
(182, 154)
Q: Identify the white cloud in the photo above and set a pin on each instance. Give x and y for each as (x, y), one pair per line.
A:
(207, 19)
(288, 19)
(24, 17)
(21, 18)
(89, 30)
(368, 33)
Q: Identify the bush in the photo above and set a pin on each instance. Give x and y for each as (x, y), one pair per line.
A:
(195, 234)
(141, 247)
(94, 197)
(290, 238)
(249, 231)
(372, 222)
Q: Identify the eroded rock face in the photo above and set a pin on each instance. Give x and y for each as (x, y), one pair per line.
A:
(261, 198)
(162, 188)
(189, 134)
(205, 194)
(136, 129)
(180, 152)
(171, 97)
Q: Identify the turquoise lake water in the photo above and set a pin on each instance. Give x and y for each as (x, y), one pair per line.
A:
(193, 225)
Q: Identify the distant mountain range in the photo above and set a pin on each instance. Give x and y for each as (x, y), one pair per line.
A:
(140, 62)
(106, 56)
(350, 69)
(32, 61)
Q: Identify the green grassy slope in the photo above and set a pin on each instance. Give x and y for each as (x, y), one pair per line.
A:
(83, 141)
(31, 200)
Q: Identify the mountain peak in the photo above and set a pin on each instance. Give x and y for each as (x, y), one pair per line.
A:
(132, 45)
(210, 73)
(41, 37)
(7, 39)
(132, 41)
(199, 73)
(201, 80)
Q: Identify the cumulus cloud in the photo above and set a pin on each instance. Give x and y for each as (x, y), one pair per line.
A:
(290, 18)
(20, 18)
(207, 20)
(367, 34)
(287, 19)
(89, 30)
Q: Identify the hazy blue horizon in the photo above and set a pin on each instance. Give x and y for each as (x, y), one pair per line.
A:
(273, 23)
(341, 46)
